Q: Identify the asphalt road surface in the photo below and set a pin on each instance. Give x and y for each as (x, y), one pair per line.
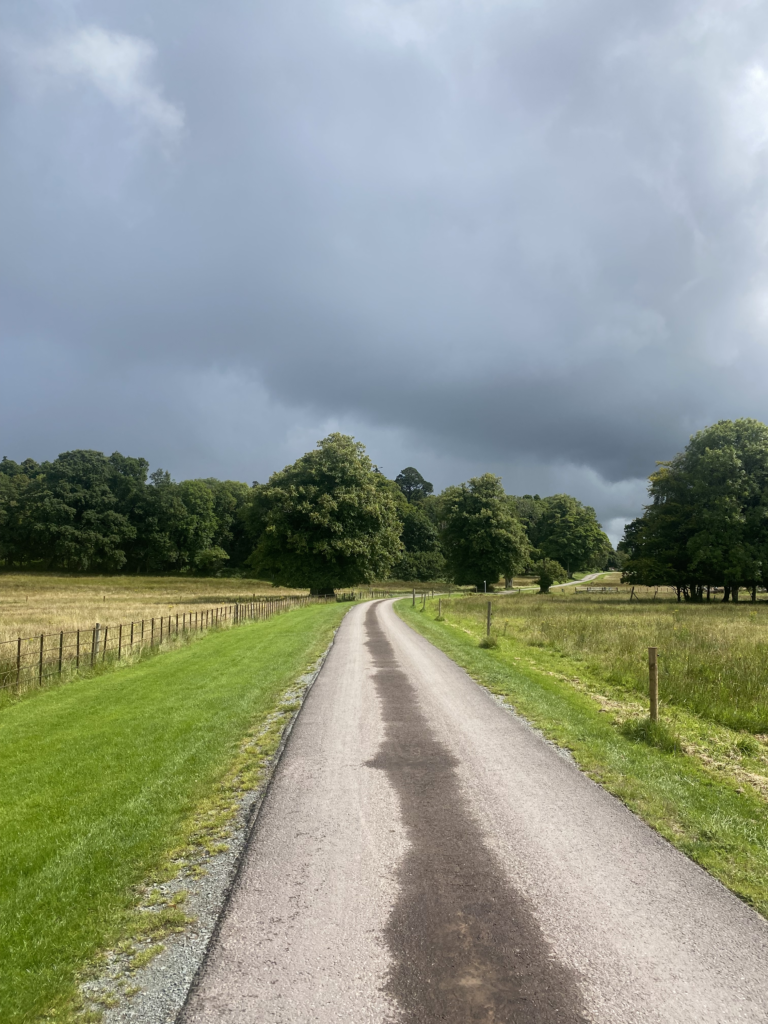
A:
(423, 856)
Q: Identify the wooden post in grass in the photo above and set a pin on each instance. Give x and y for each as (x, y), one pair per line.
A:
(40, 673)
(653, 683)
(61, 649)
(95, 642)
(488, 624)
(439, 607)
(413, 603)
(18, 660)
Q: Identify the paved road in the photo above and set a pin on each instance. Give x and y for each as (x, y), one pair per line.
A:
(423, 856)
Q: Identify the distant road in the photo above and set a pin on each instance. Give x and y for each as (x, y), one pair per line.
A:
(424, 856)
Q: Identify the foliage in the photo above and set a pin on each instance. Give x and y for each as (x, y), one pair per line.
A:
(423, 566)
(707, 523)
(412, 484)
(211, 559)
(327, 521)
(88, 512)
(482, 540)
(569, 533)
(548, 572)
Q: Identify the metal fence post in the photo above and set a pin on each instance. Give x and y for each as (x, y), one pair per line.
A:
(61, 649)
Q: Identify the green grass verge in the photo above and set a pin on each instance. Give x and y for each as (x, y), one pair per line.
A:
(717, 822)
(101, 778)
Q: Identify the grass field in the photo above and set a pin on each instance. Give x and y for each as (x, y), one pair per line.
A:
(578, 672)
(34, 603)
(102, 779)
(712, 657)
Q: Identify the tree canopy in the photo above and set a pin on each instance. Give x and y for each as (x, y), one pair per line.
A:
(86, 511)
(482, 539)
(707, 521)
(327, 521)
(330, 520)
(568, 532)
(412, 484)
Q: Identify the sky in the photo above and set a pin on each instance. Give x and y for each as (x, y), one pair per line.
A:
(504, 236)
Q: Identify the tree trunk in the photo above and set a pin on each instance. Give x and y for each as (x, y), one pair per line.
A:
(754, 592)
(735, 593)
(708, 594)
(726, 593)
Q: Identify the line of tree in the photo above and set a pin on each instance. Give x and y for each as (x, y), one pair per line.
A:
(706, 525)
(86, 511)
(330, 520)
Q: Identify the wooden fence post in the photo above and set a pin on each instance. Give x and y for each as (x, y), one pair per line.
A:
(61, 649)
(413, 605)
(653, 683)
(120, 642)
(18, 661)
(104, 647)
(77, 662)
(488, 624)
(40, 671)
(95, 642)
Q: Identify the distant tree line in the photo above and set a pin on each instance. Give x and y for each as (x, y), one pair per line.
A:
(707, 522)
(330, 520)
(91, 512)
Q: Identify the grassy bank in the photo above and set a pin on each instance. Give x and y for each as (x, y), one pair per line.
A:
(701, 785)
(712, 657)
(101, 779)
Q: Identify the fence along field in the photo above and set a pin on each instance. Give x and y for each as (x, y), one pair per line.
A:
(712, 656)
(29, 661)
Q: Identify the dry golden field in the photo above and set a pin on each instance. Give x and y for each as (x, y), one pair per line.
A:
(34, 603)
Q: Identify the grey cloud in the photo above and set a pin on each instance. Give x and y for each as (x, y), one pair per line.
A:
(519, 237)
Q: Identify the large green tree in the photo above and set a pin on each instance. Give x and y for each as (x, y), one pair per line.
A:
(568, 532)
(481, 538)
(412, 484)
(68, 513)
(327, 521)
(707, 522)
(423, 558)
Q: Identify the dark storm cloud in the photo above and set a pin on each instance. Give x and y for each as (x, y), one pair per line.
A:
(525, 237)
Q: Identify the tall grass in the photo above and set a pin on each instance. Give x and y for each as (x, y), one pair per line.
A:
(713, 658)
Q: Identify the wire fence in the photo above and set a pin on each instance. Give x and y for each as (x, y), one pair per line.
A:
(35, 660)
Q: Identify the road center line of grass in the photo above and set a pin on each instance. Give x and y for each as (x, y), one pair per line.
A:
(718, 823)
(109, 782)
